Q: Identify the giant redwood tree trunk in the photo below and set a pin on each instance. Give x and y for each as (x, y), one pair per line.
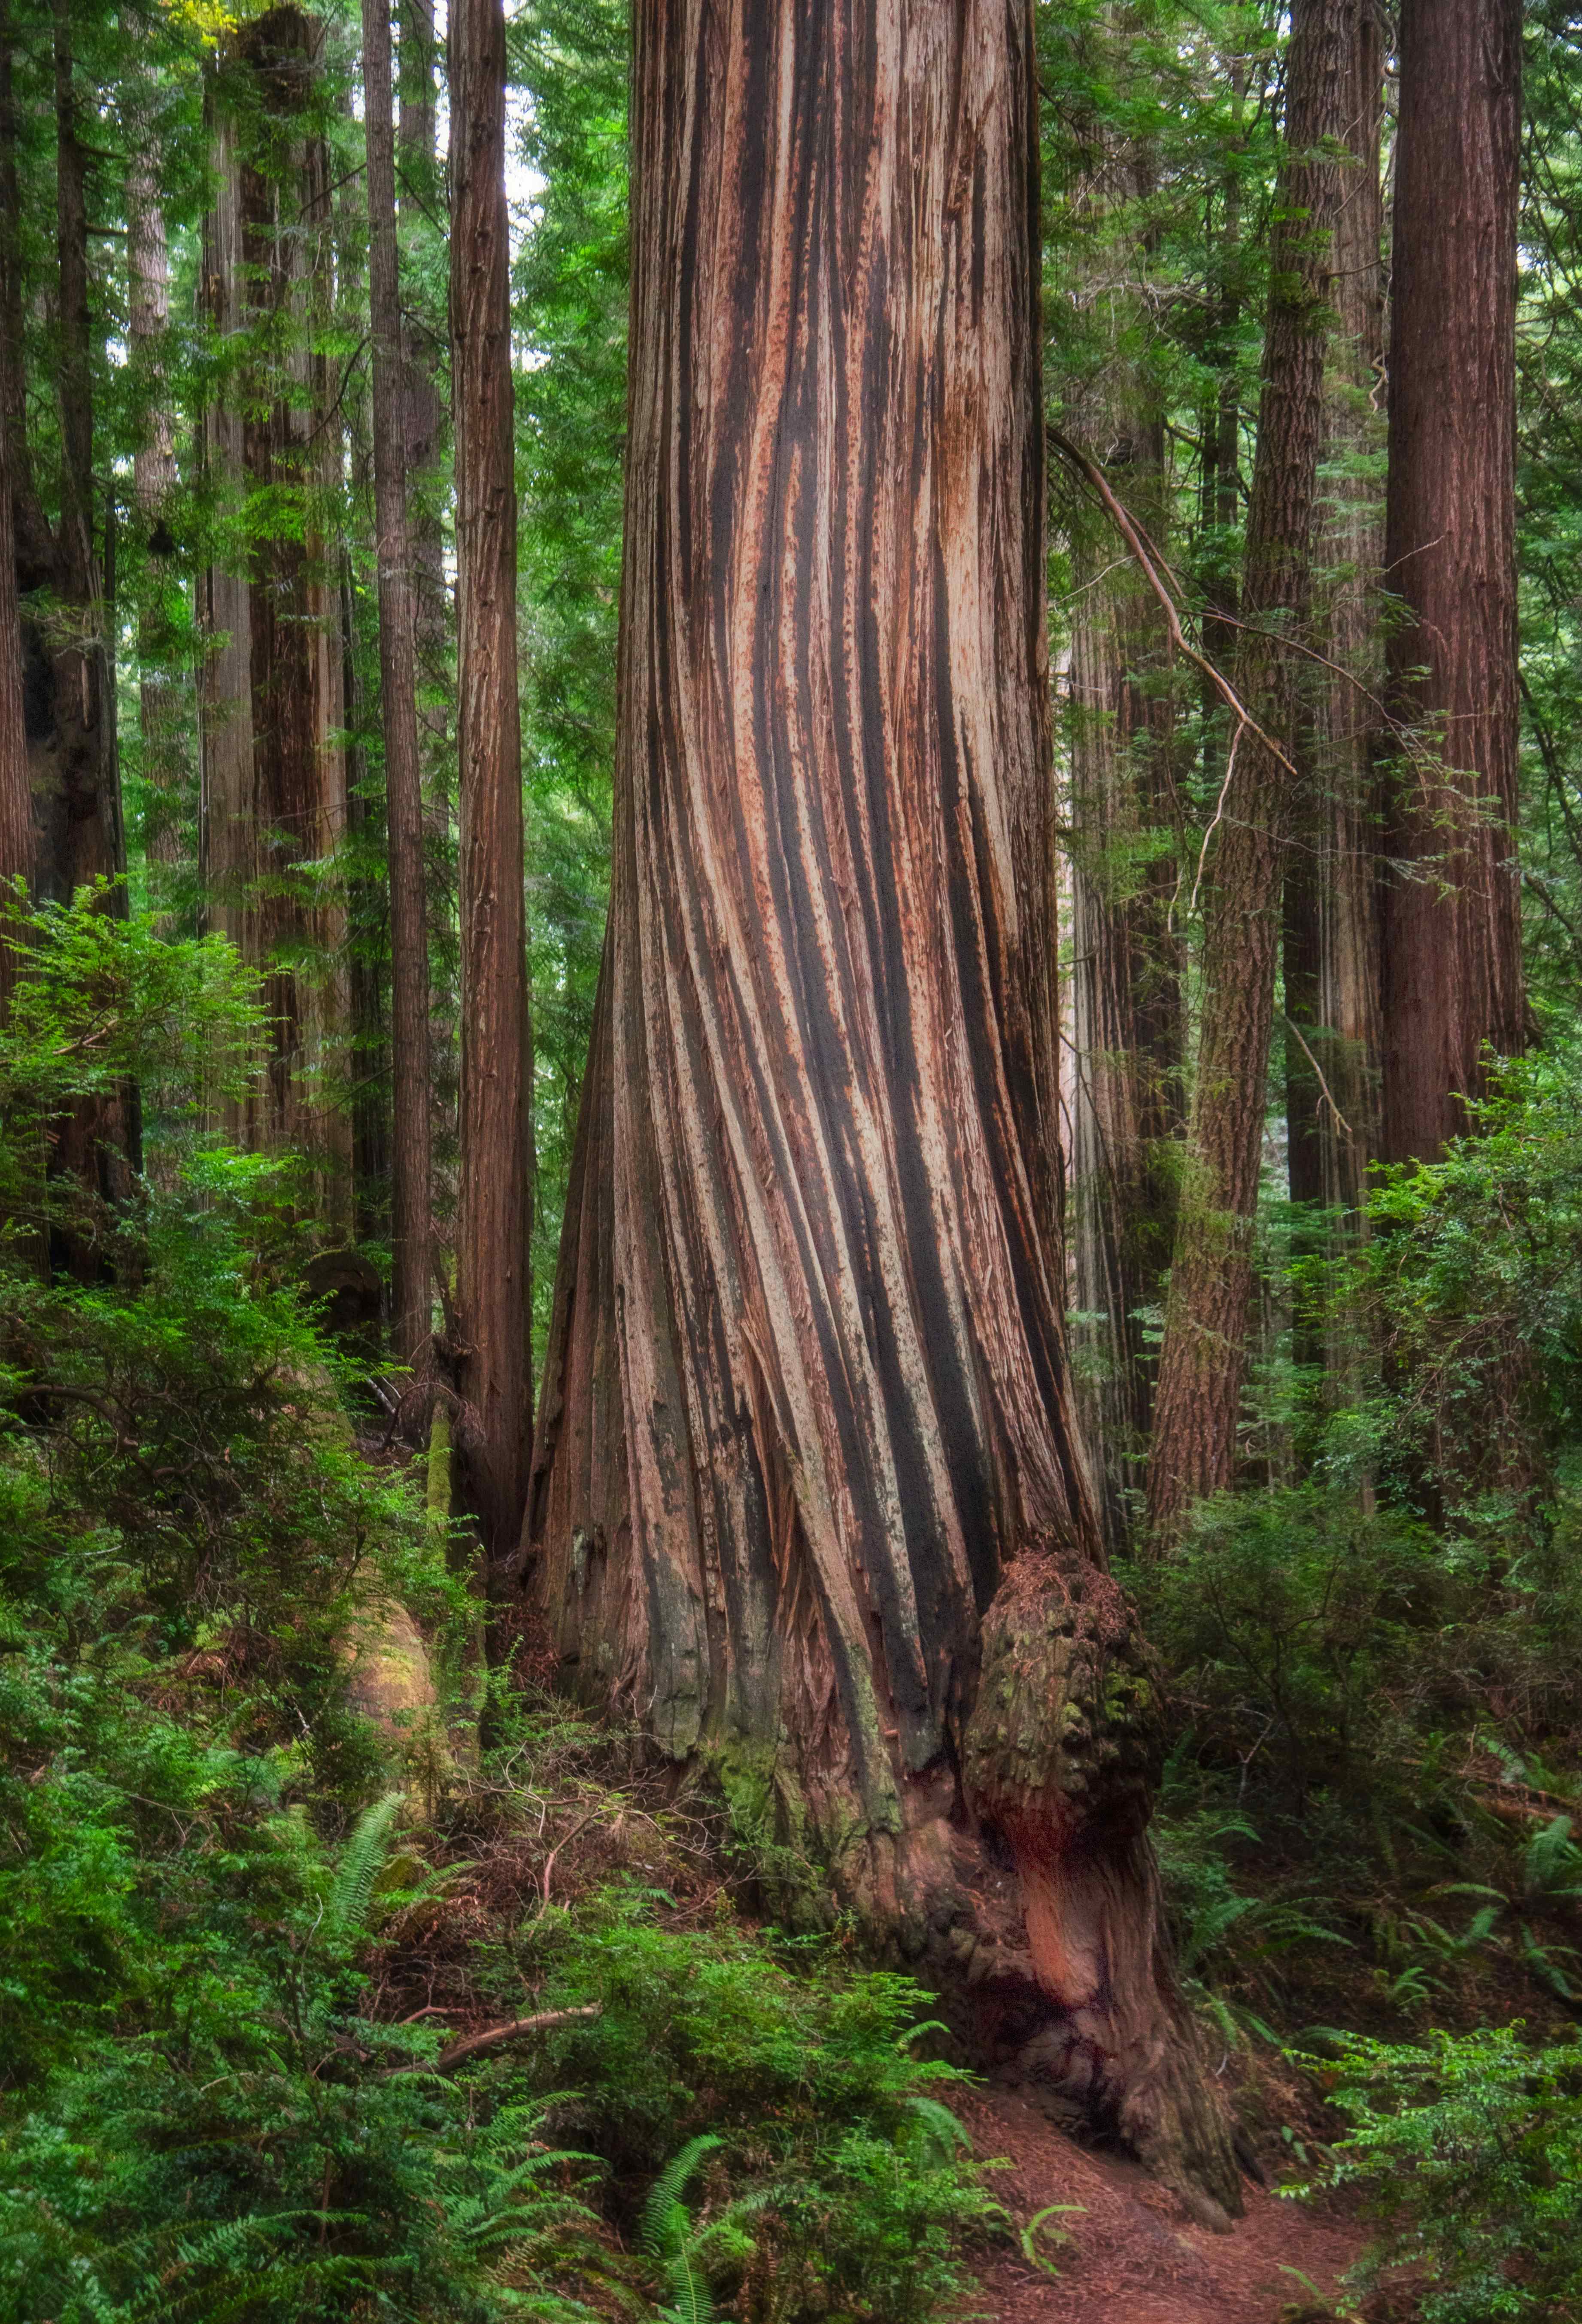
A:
(806, 1491)
(1198, 1405)
(1452, 958)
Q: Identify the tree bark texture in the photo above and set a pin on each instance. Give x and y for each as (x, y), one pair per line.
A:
(1452, 958)
(397, 673)
(1201, 1364)
(493, 1292)
(153, 481)
(807, 1495)
(1126, 1033)
(274, 784)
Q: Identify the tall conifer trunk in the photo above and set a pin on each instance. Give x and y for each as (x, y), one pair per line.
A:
(16, 811)
(397, 671)
(274, 781)
(1126, 961)
(493, 1292)
(154, 472)
(807, 1490)
(1331, 936)
(1452, 956)
(1198, 1405)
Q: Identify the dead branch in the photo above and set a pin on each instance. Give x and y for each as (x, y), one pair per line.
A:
(512, 2030)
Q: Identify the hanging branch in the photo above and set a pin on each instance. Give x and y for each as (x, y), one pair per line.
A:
(1131, 532)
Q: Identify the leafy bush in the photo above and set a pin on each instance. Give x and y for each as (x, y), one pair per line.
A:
(1469, 2148)
(862, 2186)
(267, 2152)
(1286, 1619)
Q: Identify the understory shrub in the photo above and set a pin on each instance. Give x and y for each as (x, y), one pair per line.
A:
(1467, 2149)
(861, 2185)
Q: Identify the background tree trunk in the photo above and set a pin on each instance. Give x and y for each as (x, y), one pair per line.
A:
(16, 810)
(1202, 1361)
(807, 1488)
(494, 1293)
(80, 809)
(408, 934)
(274, 792)
(153, 477)
(1452, 954)
(1127, 961)
(1331, 941)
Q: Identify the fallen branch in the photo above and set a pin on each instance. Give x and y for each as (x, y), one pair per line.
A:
(512, 2031)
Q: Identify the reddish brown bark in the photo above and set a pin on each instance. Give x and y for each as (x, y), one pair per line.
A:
(1452, 958)
(273, 770)
(807, 1483)
(1197, 1407)
(493, 1292)
(397, 671)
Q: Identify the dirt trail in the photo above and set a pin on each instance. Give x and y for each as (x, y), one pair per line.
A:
(1135, 2257)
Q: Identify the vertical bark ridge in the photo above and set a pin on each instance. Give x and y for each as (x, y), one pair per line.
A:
(807, 1406)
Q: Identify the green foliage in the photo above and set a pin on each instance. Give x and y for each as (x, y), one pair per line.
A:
(822, 2119)
(1286, 1619)
(264, 2151)
(1468, 2149)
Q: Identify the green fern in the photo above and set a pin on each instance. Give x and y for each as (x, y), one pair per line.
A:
(352, 1895)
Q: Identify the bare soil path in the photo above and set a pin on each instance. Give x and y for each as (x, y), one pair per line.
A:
(1135, 2256)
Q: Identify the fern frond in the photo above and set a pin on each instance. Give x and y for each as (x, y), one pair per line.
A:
(664, 2218)
(360, 1866)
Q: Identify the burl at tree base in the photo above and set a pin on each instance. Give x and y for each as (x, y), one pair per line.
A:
(806, 1488)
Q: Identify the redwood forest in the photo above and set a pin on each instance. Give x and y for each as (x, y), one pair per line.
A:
(790, 1161)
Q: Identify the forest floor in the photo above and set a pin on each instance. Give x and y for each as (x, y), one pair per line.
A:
(1135, 2257)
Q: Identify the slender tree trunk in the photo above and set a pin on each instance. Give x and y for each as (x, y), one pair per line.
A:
(493, 1292)
(1452, 956)
(153, 480)
(16, 811)
(422, 412)
(1198, 1405)
(81, 839)
(274, 770)
(420, 191)
(397, 673)
(1127, 964)
(1331, 944)
(807, 1488)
